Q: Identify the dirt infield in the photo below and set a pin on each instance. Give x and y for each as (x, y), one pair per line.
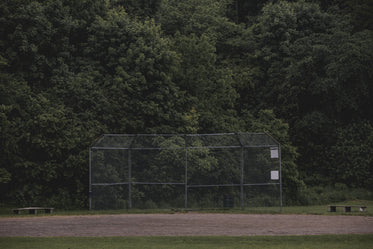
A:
(184, 224)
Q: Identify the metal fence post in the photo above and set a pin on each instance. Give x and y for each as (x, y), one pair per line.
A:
(186, 177)
(90, 178)
(129, 180)
(280, 173)
(279, 152)
(242, 179)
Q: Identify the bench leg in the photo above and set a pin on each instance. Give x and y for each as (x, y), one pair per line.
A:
(33, 211)
(347, 209)
(332, 208)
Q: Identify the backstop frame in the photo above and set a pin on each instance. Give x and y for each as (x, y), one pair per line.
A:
(270, 143)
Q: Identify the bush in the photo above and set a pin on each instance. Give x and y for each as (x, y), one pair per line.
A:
(330, 194)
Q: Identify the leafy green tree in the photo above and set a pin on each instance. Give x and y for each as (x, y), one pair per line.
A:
(40, 148)
(310, 81)
(208, 88)
(139, 8)
(72, 70)
(241, 11)
(206, 17)
(134, 67)
(43, 142)
(359, 11)
(198, 29)
(14, 94)
(353, 156)
(37, 44)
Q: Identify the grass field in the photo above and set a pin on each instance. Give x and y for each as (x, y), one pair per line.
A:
(206, 242)
(6, 210)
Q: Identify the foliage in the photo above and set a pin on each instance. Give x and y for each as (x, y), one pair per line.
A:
(71, 70)
(353, 155)
(266, 242)
(337, 193)
(309, 81)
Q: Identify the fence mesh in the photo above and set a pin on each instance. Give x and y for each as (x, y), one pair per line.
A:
(185, 171)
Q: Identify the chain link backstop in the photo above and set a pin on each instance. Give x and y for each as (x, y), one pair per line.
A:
(185, 171)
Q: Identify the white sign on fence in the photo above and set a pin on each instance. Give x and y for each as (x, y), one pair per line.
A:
(274, 152)
(274, 175)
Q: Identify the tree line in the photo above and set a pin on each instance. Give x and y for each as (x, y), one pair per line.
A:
(71, 70)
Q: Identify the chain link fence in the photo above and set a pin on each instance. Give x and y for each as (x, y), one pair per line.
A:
(152, 171)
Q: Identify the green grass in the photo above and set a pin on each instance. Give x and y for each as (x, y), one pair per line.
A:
(322, 209)
(6, 210)
(262, 242)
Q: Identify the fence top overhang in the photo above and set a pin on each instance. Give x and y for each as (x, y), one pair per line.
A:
(180, 141)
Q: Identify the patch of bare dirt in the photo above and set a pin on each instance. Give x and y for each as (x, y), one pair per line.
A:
(184, 225)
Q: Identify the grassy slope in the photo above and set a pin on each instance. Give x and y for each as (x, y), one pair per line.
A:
(262, 242)
(6, 211)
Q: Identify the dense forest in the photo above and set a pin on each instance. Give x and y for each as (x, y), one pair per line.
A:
(71, 70)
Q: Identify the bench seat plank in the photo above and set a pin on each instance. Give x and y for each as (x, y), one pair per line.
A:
(33, 210)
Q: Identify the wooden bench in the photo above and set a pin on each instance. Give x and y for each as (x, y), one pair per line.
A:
(33, 210)
(346, 208)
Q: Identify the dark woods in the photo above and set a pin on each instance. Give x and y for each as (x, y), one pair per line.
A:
(71, 70)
